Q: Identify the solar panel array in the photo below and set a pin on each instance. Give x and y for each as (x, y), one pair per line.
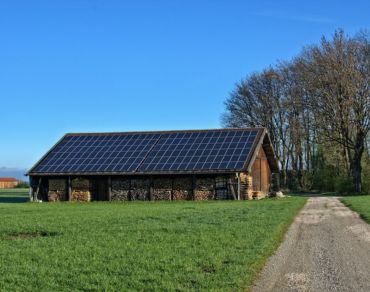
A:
(98, 153)
(199, 151)
(150, 152)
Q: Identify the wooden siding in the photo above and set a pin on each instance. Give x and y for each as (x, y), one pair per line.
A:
(261, 173)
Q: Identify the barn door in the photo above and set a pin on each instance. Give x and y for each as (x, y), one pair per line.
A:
(101, 190)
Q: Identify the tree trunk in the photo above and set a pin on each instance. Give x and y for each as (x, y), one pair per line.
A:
(356, 175)
(356, 169)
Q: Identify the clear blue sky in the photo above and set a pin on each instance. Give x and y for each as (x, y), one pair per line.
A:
(74, 65)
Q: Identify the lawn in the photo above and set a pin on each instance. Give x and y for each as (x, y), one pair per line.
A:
(360, 204)
(138, 245)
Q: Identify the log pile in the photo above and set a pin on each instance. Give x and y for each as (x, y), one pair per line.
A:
(140, 189)
(81, 196)
(120, 189)
(56, 196)
(182, 188)
(57, 190)
(246, 186)
(205, 189)
(162, 189)
(81, 190)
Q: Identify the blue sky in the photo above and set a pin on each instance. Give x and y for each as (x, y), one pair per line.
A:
(72, 66)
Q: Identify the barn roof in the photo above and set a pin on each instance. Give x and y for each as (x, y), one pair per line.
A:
(156, 152)
(8, 179)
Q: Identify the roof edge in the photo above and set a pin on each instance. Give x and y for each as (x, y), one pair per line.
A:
(274, 166)
(161, 131)
(46, 154)
(256, 145)
(261, 131)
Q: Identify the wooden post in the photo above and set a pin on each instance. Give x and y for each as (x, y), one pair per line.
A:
(151, 188)
(239, 187)
(214, 189)
(109, 188)
(193, 183)
(69, 185)
(231, 184)
(30, 193)
(172, 179)
(260, 174)
(35, 198)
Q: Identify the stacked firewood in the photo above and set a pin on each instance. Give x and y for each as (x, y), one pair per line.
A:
(120, 189)
(205, 189)
(140, 189)
(81, 190)
(182, 188)
(81, 196)
(162, 189)
(246, 186)
(57, 190)
(55, 196)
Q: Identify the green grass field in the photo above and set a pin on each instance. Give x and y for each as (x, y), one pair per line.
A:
(360, 204)
(138, 245)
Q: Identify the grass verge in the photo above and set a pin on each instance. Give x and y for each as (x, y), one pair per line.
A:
(140, 245)
(359, 204)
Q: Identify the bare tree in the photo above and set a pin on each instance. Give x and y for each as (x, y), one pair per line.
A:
(259, 101)
(321, 97)
(338, 76)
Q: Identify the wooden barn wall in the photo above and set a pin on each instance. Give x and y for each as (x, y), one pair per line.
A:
(261, 173)
(131, 188)
(171, 188)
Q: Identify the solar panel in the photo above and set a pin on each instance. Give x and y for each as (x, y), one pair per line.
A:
(98, 153)
(150, 152)
(211, 150)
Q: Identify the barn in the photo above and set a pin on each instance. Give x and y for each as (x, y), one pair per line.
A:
(158, 165)
(8, 182)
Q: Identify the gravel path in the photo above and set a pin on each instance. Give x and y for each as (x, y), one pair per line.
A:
(327, 248)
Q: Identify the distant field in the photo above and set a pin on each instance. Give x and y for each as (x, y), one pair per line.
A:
(360, 204)
(13, 195)
(138, 245)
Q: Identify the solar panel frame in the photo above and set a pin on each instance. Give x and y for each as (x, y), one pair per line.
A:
(90, 154)
(210, 151)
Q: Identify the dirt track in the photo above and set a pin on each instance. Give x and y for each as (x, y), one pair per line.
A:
(327, 248)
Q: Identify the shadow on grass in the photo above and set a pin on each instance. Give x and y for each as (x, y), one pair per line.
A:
(12, 199)
(13, 196)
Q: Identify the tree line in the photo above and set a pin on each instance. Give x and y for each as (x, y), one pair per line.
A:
(317, 110)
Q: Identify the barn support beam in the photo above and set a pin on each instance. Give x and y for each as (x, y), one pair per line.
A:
(36, 194)
(32, 189)
(230, 183)
(69, 187)
(129, 190)
(239, 186)
(214, 188)
(151, 188)
(109, 188)
(193, 185)
(30, 193)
